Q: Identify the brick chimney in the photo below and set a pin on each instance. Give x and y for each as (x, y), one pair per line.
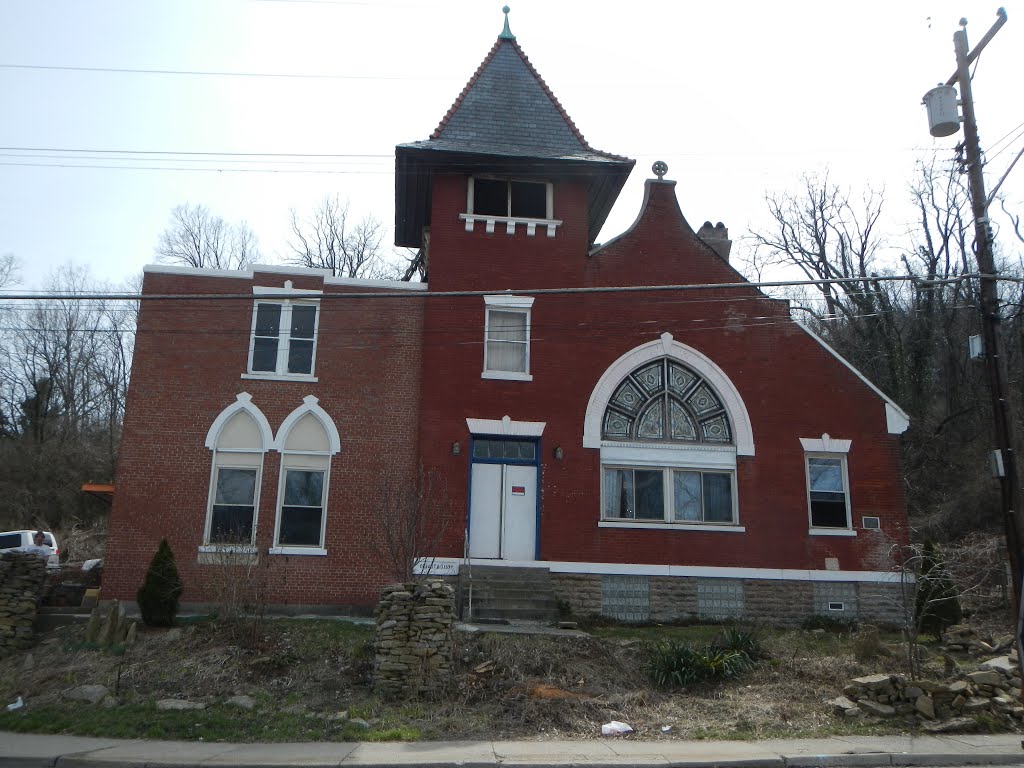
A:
(717, 237)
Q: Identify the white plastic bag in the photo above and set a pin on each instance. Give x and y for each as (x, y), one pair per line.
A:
(615, 728)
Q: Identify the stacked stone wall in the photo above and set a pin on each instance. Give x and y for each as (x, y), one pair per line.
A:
(673, 599)
(22, 576)
(414, 645)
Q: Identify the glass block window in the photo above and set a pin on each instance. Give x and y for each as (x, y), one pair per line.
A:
(720, 598)
(663, 401)
(626, 598)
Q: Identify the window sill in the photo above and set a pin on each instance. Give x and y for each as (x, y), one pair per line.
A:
(830, 532)
(281, 376)
(507, 375)
(318, 551)
(227, 549)
(718, 528)
(510, 223)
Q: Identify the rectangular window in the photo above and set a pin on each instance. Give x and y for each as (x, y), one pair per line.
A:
(283, 338)
(301, 521)
(668, 495)
(827, 492)
(234, 506)
(508, 198)
(507, 340)
(507, 337)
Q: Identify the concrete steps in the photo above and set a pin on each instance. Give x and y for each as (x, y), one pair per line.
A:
(507, 594)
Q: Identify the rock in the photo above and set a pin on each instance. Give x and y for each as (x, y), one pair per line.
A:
(986, 677)
(1000, 664)
(244, 702)
(131, 635)
(841, 704)
(954, 725)
(179, 704)
(958, 688)
(925, 706)
(874, 682)
(294, 709)
(976, 704)
(339, 716)
(913, 692)
(91, 694)
(874, 708)
(358, 722)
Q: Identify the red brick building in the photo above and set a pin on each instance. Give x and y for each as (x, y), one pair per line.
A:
(662, 451)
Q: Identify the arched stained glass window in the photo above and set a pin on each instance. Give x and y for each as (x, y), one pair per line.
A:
(664, 400)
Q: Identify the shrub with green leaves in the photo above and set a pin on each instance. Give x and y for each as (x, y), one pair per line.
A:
(745, 640)
(675, 664)
(158, 596)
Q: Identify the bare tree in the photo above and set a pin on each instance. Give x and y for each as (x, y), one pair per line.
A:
(197, 238)
(329, 240)
(8, 269)
(63, 376)
(412, 521)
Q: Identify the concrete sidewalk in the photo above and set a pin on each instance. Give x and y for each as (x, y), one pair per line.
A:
(35, 750)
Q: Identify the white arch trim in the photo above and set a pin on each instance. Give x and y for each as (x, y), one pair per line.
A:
(666, 346)
(309, 405)
(243, 402)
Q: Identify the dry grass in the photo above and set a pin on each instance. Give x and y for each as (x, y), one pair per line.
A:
(504, 687)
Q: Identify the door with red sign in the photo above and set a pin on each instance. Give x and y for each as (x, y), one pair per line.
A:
(503, 501)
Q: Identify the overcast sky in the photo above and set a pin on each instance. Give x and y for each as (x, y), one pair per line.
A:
(739, 98)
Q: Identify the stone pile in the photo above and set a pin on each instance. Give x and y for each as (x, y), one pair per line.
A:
(22, 578)
(413, 645)
(995, 688)
(108, 626)
(963, 638)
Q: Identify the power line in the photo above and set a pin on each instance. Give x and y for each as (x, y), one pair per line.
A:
(214, 73)
(423, 294)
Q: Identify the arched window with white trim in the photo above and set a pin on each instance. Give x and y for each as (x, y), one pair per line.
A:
(307, 439)
(669, 425)
(238, 439)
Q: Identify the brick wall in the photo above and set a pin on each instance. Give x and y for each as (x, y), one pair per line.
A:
(187, 368)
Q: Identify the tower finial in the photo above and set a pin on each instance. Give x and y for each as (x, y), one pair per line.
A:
(506, 33)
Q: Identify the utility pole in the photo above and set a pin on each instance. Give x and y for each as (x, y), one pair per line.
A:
(1004, 462)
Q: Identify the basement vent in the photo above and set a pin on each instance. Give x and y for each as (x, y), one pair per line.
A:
(837, 606)
(871, 523)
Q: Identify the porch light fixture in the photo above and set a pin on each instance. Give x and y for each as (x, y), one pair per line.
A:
(456, 448)
(559, 453)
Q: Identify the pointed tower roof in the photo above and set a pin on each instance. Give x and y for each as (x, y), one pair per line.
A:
(506, 120)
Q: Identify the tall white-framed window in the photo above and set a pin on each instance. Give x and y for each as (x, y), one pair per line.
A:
(238, 439)
(828, 486)
(507, 337)
(285, 322)
(307, 439)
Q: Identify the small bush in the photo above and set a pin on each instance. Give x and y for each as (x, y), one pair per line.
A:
(158, 596)
(745, 640)
(674, 664)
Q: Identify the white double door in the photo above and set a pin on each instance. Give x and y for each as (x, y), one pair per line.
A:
(503, 511)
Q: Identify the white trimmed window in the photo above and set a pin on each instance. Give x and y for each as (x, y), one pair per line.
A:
(507, 337)
(669, 495)
(828, 484)
(667, 451)
(307, 439)
(238, 439)
(510, 198)
(284, 331)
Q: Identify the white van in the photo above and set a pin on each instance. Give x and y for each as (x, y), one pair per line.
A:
(12, 541)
